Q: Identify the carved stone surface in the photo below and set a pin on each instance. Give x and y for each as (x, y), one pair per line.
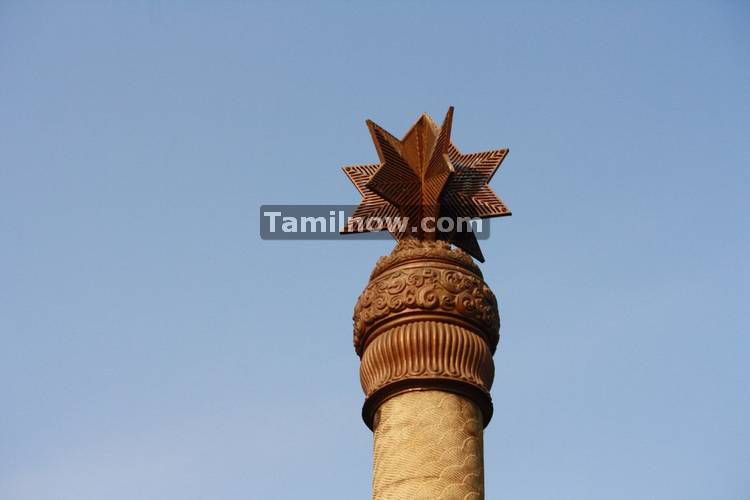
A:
(426, 349)
(428, 445)
(414, 249)
(426, 320)
(426, 280)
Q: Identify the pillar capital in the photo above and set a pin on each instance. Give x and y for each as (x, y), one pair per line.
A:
(426, 321)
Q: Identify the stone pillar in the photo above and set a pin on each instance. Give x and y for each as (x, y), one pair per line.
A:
(425, 328)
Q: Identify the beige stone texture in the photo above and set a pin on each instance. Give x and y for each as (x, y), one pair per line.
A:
(428, 446)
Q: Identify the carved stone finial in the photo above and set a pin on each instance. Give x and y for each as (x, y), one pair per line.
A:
(424, 175)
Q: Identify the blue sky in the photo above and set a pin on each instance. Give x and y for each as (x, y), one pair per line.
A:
(154, 347)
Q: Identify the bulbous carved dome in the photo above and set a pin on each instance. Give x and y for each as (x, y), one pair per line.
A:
(426, 280)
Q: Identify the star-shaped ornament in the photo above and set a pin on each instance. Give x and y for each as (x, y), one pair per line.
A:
(424, 176)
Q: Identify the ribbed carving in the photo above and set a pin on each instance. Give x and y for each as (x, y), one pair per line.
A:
(426, 349)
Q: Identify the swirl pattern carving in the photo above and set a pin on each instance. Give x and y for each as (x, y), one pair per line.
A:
(446, 291)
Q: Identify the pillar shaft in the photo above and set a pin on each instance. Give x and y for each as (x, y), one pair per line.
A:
(428, 446)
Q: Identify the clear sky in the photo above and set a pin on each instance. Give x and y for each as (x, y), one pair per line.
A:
(154, 347)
